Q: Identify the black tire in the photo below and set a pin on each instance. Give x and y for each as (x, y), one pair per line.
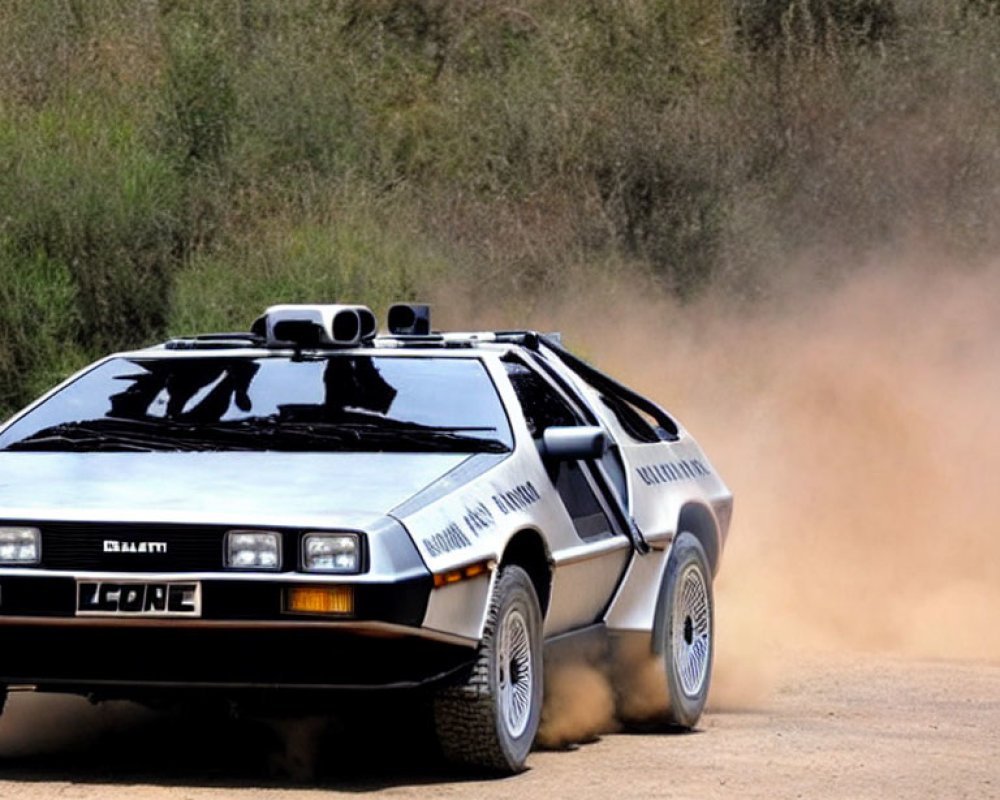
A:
(684, 631)
(490, 720)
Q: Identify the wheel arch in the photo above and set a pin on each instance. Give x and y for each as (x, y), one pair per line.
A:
(526, 548)
(698, 520)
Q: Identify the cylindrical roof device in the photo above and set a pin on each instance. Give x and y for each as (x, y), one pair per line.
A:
(318, 326)
(409, 319)
(369, 324)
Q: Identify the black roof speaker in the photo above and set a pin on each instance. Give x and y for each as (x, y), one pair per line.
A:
(408, 319)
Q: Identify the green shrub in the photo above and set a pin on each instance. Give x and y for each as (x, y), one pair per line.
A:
(38, 326)
(200, 103)
(183, 164)
(354, 257)
(85, 192)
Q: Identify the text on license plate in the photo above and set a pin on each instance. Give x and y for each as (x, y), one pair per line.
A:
(138, 598)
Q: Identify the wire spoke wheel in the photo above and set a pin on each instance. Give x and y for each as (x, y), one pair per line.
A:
(692, 631)
(514, 671)
(491, 719)
(683, 630)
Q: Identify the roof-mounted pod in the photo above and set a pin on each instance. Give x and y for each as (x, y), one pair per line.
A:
(316, 326)
(409, 319)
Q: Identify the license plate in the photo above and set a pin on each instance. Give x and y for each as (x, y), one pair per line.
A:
(138, 599)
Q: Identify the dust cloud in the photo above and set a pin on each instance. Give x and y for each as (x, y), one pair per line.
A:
(36, 725)
(858, 424)
(579, 703)
(859, 428)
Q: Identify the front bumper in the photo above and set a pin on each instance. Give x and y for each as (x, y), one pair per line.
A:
(242, 639)
(124, 659)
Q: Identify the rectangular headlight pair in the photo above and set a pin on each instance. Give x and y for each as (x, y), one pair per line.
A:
(321, 552)
(20, 545)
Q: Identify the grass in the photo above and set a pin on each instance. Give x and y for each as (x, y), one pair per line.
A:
(177, 166)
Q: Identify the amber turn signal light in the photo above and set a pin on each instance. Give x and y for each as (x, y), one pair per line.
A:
(337, 600)
(462, 573)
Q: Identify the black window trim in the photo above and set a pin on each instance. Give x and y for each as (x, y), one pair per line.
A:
(573, 402)
(668, 429)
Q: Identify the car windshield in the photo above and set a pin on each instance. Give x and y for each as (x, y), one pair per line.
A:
(335, 402)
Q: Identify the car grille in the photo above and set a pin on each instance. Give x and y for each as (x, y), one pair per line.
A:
(169, 548)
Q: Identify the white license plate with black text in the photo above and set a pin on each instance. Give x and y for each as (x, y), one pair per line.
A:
(138, 598)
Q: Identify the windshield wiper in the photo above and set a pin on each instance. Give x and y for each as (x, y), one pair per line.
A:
(380, 434)
(363, 436)
(397, 436)
(256, 434)
(61, 442)
(114, 435)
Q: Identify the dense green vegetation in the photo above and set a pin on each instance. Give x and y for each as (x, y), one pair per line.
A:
(174, 165)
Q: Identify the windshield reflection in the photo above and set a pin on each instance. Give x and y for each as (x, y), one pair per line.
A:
(334, 402)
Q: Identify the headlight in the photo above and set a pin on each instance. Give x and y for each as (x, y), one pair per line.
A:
(331, 552)
(20, 545)
(253, 550)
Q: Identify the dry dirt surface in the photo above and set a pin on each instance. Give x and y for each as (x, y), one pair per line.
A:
(835, 726)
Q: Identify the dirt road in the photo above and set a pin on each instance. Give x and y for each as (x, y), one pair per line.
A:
(835, 726)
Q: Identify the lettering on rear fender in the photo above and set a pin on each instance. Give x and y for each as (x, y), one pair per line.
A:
(673, 471)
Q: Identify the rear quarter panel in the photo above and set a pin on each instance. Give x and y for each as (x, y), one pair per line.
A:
(663, 479)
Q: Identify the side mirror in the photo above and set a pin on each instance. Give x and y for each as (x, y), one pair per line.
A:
(573, 443)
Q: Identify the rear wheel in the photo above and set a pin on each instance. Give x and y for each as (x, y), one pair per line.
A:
(687, 621)
(491, 719)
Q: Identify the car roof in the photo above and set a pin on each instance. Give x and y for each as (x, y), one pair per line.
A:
(449, 345)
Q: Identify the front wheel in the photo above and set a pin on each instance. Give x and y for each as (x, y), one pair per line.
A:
(686, 630)
(491, 719)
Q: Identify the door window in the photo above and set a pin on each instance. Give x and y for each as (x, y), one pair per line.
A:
(543, 408)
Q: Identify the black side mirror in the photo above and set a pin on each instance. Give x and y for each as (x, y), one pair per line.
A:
(573, 443)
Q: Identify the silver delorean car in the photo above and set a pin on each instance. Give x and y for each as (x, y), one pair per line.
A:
(312, 508)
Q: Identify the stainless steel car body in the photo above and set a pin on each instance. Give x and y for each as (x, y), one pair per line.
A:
(422, 513)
